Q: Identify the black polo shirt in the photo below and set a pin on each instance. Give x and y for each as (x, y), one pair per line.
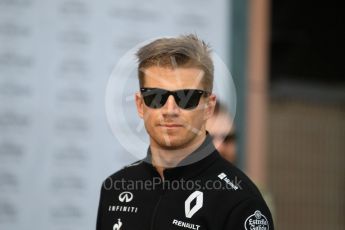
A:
(203, 192)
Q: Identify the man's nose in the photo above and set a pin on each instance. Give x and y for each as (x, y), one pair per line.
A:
(170, 106)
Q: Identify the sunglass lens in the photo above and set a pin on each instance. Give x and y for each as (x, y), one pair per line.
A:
(155, 98)
(188, 99)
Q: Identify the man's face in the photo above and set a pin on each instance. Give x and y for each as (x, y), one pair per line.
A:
(171, 127)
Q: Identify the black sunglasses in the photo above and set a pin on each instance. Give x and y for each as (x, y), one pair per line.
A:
(185, 98)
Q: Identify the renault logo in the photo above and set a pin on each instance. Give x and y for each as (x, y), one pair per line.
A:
(126, 197)
(190, 211)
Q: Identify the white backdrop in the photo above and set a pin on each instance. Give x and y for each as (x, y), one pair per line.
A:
(56, 57)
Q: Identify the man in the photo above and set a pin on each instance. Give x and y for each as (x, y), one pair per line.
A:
(182, 183)
(220, 127)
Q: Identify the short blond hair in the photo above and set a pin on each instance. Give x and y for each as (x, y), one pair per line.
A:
(183, 51)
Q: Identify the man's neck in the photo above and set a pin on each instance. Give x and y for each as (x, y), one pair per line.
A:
(163, 158)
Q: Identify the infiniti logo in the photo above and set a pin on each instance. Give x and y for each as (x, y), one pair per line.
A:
(126, 197)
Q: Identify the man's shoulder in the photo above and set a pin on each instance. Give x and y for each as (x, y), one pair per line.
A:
(238, 191)
(234, 179)
(129, 171)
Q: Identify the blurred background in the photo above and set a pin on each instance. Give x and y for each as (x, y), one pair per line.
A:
(56, 145)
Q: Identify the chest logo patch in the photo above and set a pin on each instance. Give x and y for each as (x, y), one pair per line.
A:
(197, 199)
(256, 221)
(126, 197)
(117, 226)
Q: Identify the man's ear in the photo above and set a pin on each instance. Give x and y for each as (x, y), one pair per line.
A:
(209, 106)
(140, 104)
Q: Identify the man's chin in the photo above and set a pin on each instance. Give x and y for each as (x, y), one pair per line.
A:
(170, 142)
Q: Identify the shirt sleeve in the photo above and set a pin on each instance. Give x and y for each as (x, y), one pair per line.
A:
(251, 213)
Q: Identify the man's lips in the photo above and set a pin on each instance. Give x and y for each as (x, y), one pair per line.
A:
(170, 125)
